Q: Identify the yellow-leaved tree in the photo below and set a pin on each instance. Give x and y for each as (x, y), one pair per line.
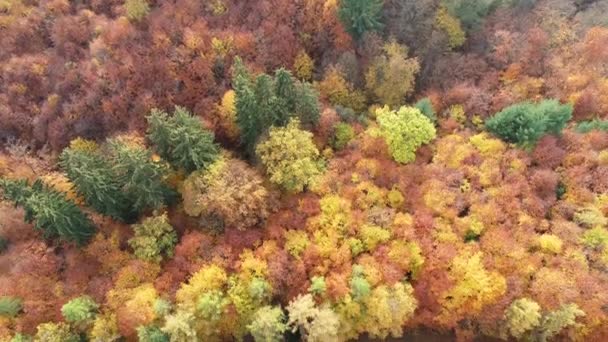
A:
(290, 156)
(390, 77)
(404, 130)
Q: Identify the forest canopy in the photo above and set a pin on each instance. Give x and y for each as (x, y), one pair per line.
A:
(315, 170)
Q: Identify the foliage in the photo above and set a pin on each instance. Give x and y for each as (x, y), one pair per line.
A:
(142, 179)
(315, 324)
(359, 286)
(425, 106)
(290, 157)
(588, 126)
(404, 130)
(21, 338)
(181, 139)
(303, 66)
(227, 115)
(522, 316)
(560, 319)
(228, 190)
(179, 327)
(360, 16)
(211, 305)
(389, 308)
(266, 101)
(52, 332)
(451, 26)
(136, 9)
(79, 309)
(50, 211)
(208, 278)
(339, 92)
(104, 329)
(343, 134)
(151, 333)
(317, 285)
(10, 306)
(390, 77)
(525, 123)
(470, 216)
(95, 180)
(154, 238)
(550, 243)
(470, 12)
(268, 324)
(475, 287)
(595, 237)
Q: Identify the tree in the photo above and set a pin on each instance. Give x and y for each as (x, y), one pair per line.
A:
(343, 134)
(268, 324)
(285, 91)
(388, 309)
(95, 180)
(339, 92)
(136, 10)
(55, 332)
(556, 321)
(474, 287)
(522, 316)
(303, 66)
(50, 211)
(211, 305)
(451, 27)
(142, 178)
(21, 338)
(179, 327)
(10, 306)
(230, 191)
(151, 333)
(268, 101)
(307, 104)
(154, 238)
(425, 106)
(181, 140)
(227, 115)
(247, 118)
(525, 123)
(315, 324)
(470, 12)
(405, 131)
(361, 16)
(390, 77)
(104, 329)
(359, 286)
(80, 309)
(290, 157)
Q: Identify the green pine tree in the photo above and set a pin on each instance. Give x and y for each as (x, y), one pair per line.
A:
(49, 210)
(142, 179)
(181, 139)
(96, 182)
(270, 102)
(246, 105)
(360, 16)
(285, 89)
(307, 104)
(526, 122)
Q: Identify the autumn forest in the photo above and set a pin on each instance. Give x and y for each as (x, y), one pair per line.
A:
(303, 170)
